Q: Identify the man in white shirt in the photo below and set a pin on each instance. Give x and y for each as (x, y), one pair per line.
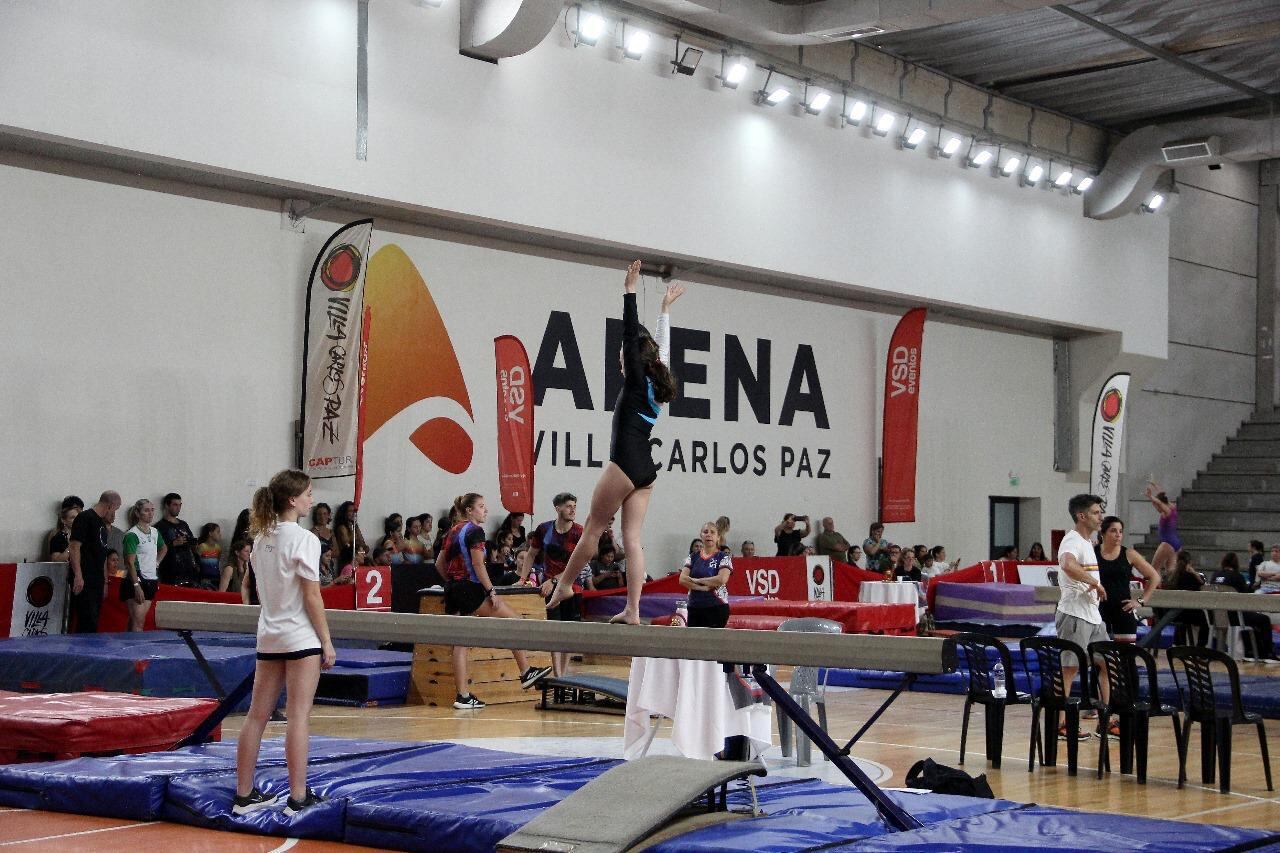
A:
(1078, 619)
(1269, 572)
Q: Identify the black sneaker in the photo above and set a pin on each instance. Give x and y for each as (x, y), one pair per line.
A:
(467, 703)
(254, 801)
(533, 675)
(292, 806)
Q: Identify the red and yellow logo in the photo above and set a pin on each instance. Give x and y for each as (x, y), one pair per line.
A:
(341, 268)
(1112, 405)
(411, 358)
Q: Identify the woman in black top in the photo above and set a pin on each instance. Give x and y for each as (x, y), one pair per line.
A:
(1115, 568)
(627, 481)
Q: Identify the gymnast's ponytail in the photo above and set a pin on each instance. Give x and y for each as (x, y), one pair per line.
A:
(462, 504)
(273, 498)
(664, 381)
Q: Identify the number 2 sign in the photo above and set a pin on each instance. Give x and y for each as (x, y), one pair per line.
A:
(373, 588)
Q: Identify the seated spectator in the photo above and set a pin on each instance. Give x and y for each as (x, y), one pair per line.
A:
(241, 530)
(114, 566)
(928, 568)
(209, 552)
(411, 547)
(57, 543)
(514, 524)
(919, 551)
(786, 536)
(383, 556)
(606, 572)
(907, 568)
(1185, 577)
(876, 547)
(321, 517)
(348, 573)
(829, 542)
(347, 536)
(748, 548)
(889, 560)
(424, 536)
(392, 539)
(501, 560)
(855, 557)
(1036, 554)
(180, 565)
(1229, 575)
(1006, 552)
(238, 565)
(693, 546)
(1255, 560)
(940, 558)
(1269, 572)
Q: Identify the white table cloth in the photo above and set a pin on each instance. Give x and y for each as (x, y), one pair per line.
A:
(891, 592)
(694, 696)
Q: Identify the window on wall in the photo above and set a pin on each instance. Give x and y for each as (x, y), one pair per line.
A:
(1004, 526)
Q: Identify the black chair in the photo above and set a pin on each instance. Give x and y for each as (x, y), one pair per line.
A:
(975, 648)
(1200, 705)
(1053, 698)
(1132, 707)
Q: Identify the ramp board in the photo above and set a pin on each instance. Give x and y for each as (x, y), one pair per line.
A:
(665, 785)
(593, 693)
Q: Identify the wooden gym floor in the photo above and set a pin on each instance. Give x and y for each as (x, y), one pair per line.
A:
(918, 725)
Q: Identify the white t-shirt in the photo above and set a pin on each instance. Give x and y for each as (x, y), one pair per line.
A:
(282, 559)
(1078, 599)
(145, 547)
(1269, 586)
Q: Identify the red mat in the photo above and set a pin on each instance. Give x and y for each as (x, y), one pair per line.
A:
(857, 617)
(49, 726)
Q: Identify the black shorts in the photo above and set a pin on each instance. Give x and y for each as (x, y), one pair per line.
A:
(1119, 622)
(462, 598)
(148, 589)
(715, 616)
(298, 655)
(569, 610)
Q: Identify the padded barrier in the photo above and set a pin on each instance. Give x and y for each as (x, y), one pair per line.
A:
(36, 726)
(1045, 828)
(363, 685)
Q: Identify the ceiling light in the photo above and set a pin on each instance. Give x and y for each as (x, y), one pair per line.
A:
(911, 140)
(950, 147)
(735, 72)
(1011, 165)
(857, 112)
(884, 124)
(1083, 186)
(1063, 179)
(590, 27)
(771, 97)
(635, 43)
(816, 101)
(1153, 203)
(1033, 176)
(982, 158)
(686, 63)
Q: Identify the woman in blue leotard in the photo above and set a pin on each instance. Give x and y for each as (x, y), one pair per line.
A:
(1170, 543)
(627, 480)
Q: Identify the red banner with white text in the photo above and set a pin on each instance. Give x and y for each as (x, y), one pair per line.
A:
(515, 424)
(901, 418)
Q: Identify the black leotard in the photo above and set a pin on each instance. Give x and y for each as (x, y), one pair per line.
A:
(635, 411)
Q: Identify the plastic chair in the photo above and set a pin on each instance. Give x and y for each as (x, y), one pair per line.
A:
(975, 648)
(805, 687)
(1053, 697)
(1130, 704)
(1200, 704)
(1227, 632)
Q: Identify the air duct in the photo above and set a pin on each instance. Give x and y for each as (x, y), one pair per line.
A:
(1142, 157)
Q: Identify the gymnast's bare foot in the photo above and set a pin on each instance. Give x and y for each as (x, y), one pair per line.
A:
(626, 617)
(562, 593)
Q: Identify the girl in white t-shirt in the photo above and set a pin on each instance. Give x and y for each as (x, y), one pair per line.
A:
(293, 637)
(144, 548)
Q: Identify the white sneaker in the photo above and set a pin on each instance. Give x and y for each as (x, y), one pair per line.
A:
(1271, 661)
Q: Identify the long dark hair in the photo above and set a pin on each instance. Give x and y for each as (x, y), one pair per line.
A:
(664, 381)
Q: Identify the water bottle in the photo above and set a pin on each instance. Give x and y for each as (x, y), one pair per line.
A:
(681, 617)
(997, 680)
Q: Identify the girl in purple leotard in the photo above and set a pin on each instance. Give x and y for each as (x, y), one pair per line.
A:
(1170, 543)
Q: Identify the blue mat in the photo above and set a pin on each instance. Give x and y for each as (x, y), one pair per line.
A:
(442, 796)
(158, 663)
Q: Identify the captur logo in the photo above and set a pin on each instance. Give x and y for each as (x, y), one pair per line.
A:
(411, 358)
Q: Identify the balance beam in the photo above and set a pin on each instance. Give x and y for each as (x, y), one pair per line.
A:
(922, 655)
(1185, 599)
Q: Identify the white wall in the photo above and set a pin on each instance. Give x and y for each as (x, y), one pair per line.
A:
(153, 345)
(568, 141)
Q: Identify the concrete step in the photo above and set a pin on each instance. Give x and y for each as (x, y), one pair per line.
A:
(1218, 540)
(1252, 447)
(1234, 519)
(1255, 483)
(1196, 499)
(1253, 431)
(1267, 416)
(1242, 465)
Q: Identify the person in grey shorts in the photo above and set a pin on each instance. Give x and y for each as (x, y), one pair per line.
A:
(1078, 618)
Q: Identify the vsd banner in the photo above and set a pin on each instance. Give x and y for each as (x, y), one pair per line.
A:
(1108, 431)
(515, 424)
(331, 341)
(901, 417)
